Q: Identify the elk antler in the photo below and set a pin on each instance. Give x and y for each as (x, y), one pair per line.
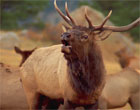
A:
(64, 27)
(112, 28)
(67, 12)
(67, 18)
(123, 28)
(88, 20)
(105, 20)
(100, 26)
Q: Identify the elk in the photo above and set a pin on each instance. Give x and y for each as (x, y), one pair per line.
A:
(24, 53)
(121, 88)
(74, 70)
(126, 59)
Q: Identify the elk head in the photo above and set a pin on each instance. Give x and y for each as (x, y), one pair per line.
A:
(78, 39)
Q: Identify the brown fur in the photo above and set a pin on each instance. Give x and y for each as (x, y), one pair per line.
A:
(24, 53)
(127, 59)
(85, 75)
(121, 88)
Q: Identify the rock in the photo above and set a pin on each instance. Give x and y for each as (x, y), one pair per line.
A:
(9, 40)
(24, 33)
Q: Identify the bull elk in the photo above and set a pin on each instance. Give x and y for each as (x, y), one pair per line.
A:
(73, 71)
(24, 53)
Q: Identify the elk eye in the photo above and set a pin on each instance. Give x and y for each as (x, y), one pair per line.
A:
(85, 37)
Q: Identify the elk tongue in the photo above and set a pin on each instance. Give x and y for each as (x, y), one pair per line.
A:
(66, 49)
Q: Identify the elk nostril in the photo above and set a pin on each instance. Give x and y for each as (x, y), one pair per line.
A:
(68, 36)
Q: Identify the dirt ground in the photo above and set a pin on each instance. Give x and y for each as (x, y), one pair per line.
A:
(11, 92)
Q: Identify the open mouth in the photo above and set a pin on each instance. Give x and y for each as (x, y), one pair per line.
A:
(66, 48)
(65, 43)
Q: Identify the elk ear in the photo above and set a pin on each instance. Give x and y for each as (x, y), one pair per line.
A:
(65, 28)
(33, 49)
(124, 49)
(17, 50)
(102, 35)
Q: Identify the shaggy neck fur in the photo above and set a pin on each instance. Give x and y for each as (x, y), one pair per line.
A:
(86, 70)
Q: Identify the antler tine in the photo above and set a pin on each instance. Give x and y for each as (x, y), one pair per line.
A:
(116, 28)
(88, 20)
(67, 12)
(63, 16)
(66, 27)
(123, 28)
(105, 20)
(107, 17)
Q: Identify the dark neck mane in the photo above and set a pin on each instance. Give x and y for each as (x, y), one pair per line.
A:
(86, 73)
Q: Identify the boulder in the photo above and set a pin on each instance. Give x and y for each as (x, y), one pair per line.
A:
(8, 40)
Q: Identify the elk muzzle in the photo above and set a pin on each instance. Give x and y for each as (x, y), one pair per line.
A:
(65, 39)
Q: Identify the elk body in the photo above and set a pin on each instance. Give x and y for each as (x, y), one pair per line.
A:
(73, 71)
(124, 84)
(121, 88)
(56, 83)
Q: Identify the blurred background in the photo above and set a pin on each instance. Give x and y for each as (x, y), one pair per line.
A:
(35, 23)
